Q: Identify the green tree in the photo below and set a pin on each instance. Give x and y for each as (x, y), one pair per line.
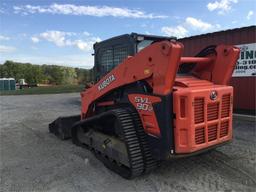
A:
(44, 73)
(70, 75)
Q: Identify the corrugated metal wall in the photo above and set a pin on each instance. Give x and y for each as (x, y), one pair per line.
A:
(244, 87)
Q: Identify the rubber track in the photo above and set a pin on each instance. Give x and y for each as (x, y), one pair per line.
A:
(133, 135)
(149, 162)
(132, 143)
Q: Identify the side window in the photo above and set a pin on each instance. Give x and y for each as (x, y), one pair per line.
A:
(106, 61)
(120, 53)
(141, 45)
(111, 57)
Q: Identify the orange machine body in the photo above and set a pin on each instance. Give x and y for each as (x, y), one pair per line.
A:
(201, 100)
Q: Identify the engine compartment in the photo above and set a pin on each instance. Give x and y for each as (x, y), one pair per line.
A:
(203, 113)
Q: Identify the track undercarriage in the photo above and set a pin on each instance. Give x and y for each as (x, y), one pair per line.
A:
(117, 139)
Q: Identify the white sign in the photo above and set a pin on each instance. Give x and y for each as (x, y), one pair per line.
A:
(246, 64)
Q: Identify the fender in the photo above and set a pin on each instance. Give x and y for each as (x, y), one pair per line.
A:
(144, 106)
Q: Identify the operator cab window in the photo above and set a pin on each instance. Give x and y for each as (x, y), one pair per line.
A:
(111, 57)
(106, 60)
(141, 45)
(120, 53)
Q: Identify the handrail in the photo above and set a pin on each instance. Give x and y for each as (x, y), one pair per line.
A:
(195, 60)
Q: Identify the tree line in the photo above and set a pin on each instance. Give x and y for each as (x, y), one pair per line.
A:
(51, 74)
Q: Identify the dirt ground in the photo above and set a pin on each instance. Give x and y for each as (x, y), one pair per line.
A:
(34, 160)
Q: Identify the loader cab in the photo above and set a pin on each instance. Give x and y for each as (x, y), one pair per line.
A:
(111, 52)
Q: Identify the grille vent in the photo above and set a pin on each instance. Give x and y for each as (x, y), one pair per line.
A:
(212, 111)
(211, 119)
(225, 105)
(212, 132)
(199, 110)
(224, 129)
(199, 135)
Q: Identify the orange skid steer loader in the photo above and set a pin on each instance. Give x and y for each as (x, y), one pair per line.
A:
(151, 104)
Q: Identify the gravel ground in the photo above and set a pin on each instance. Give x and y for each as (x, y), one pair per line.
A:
(34, 160)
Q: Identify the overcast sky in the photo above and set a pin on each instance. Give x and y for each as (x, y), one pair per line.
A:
(63, 32)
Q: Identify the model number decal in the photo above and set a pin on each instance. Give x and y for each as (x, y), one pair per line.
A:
(106, 82)
(143, 103)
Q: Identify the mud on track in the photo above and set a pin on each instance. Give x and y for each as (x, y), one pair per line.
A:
(31, 159)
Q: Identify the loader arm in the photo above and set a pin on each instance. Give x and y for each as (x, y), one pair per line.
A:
(157, 63)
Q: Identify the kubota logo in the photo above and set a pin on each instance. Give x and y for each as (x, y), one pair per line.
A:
(213, 95)
(106, 82)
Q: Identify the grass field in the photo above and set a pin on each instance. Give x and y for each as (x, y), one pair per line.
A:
(45, 90)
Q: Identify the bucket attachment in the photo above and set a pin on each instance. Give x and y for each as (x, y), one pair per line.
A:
(61, 127)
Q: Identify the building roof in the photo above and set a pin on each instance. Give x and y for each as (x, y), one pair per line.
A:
(223, 31)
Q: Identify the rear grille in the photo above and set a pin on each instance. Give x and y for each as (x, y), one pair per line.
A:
(224, 129)
(225, 105)
(212, 132)
(199, 135)
(210, 114)
(212, 111)
(199, 110)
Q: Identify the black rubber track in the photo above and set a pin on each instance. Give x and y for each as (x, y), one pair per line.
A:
(129, 134)
(132, 133)
(149, 162)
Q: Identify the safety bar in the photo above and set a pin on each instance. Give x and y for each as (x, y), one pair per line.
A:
(195, 60)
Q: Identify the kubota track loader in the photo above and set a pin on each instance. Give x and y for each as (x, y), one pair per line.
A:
(152, 104)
